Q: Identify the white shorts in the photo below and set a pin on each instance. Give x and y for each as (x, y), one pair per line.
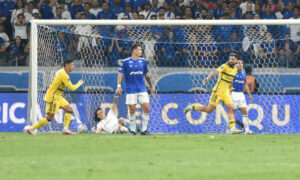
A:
(137, 98)
(238, 100)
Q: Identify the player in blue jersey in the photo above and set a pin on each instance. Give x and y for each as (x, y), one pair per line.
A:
(237, 95)
(134, 69)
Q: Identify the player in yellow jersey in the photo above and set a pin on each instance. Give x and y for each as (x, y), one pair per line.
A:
(54, 99)
(219, 93)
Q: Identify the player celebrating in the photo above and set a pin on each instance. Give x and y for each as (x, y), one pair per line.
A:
(238, 97)
(134, 69)
(226, 73)
(54, 99)
(110, 123)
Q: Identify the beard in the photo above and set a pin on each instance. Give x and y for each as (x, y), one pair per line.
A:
(231, 64)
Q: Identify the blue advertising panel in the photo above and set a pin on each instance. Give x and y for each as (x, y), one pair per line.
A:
(267, 113)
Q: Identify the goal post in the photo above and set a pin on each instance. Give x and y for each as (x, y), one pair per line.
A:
(197, 54)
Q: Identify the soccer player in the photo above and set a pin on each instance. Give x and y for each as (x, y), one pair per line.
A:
(134, 69)
(110, 123)
(54, 99)
(220, 91)
(238, 97)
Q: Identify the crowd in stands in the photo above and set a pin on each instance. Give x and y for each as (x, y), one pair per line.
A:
(263, 46)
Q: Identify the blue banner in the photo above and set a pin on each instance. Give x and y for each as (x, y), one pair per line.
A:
(267, 113)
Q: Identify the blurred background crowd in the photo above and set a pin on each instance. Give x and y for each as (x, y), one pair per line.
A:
(180, 46)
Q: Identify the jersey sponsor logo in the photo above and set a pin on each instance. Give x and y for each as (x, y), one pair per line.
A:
(239, 81)
(136, 72)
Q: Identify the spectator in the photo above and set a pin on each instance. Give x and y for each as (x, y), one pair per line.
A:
(2, 52)
(16, 53)
(161, 13)
(87, 7)
(95, 9)
(295, 29)
(76, 7)
(116, 7)
(236, 12)
(203, 14)
(135, 15)
(61, 47)
(196, 8)
(28, 12)
(209, 4)
(257, 9)
(286, 51)
(168, 51)
(248, 15)
(106, 12)
(288, 12)
(7, 6)
(64, 12)
(267, 13)
(188, 13)
(136, 3)
(169, 14)
(155, 7)
(45, 7)
(218, 12)
(244, 5)
(19, 10)
(36, 14)
(147, 11)
(4, 36)
(272, 4)
(114, 51)
(21, 28)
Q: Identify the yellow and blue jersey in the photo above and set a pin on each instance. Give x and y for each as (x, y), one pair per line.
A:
(225, 79)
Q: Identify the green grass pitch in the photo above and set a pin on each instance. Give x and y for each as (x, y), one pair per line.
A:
(180, 156)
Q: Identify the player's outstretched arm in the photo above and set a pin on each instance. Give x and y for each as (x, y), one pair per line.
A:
(119, 89)
(211, 75)
(114, 106)
(148, 78)
(98, 131)
(248, 92)
(71, 86)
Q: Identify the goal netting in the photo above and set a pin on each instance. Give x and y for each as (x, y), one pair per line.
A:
(180, 54)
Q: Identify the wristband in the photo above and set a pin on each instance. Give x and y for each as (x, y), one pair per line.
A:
(119, 85)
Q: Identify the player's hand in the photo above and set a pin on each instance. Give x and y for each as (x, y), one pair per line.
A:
(205, 81)
(80, 81)
(152, 91)
(250, 99)
(119, 90)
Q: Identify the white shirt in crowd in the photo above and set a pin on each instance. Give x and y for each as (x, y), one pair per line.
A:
(295, 32)
(147, 14)
(110, 123)
(95, 11)
(4, 36)
(243, 7)
(21, 30)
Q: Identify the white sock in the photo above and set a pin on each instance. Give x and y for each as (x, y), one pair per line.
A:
(246, 123)
(145, 120)
(132, 122)
(66, 129)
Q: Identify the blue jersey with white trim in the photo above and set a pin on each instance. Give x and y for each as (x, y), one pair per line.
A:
(239, 81)
(134, 72)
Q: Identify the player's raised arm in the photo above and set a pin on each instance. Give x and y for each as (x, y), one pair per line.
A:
(114, 106)
(148, 78)
(211, 75)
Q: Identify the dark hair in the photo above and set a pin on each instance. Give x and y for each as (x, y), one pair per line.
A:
(296, 7)
(68, 61)
(20, 15)
(134, 46)
(95, 115)
(235, 55)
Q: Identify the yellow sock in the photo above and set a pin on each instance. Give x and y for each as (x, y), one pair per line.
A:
(67, 119)
(41, 123)
(232, 123)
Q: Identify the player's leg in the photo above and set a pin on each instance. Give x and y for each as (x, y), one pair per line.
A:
(242, 105)
(64, 104)
(131, 101)
(143, 99)
(231, 114)
(213, 102)
(51, 110)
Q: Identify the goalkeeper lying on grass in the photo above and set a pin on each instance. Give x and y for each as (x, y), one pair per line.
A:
(110, 123)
